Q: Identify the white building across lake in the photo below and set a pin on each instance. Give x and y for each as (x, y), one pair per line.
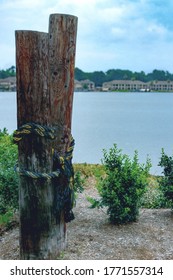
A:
(129, 85)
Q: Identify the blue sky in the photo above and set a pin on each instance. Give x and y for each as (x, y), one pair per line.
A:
(125, 34)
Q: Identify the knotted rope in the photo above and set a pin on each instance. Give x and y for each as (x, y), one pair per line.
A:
(61, 165)
(33, 128)
(37, 175)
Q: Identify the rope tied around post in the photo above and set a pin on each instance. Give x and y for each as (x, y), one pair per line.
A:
(62, 165)
(33, 128)
(37, 175)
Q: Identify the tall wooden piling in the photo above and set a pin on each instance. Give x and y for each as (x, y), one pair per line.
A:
(45, 85)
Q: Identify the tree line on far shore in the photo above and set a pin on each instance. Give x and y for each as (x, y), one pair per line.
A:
(99, 77)
(9, 72)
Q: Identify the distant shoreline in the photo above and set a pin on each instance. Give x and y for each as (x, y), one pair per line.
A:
(97, 91)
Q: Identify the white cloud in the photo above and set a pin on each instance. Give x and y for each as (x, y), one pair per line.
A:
(111, 15)
(110, 32)
(118, 32)
(21, 4)
(157, 29)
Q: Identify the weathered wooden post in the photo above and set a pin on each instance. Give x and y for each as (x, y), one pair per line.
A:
(45, 85)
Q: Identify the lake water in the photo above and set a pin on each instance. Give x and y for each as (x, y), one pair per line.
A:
(134, 121)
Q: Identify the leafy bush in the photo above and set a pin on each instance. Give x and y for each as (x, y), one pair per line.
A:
(8, 178)
(123, 186)
(166, 182)
(153, 198)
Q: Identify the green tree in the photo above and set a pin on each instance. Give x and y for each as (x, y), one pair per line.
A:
(140, 76)
(98, 77)
(10, 72)
(79, 74)
(159, 75)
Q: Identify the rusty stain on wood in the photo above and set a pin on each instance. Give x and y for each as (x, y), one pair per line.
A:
(45, 84)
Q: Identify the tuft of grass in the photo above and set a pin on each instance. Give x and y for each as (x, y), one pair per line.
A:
(61, 256)
(6, 219)
(89, 170)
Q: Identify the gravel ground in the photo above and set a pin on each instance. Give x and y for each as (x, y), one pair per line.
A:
(91, 237)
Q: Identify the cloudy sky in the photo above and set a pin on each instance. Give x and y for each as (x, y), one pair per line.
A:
(125, 34)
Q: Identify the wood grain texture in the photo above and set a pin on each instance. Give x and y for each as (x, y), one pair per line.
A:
(45, 85)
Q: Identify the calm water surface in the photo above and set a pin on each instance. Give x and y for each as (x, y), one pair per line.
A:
(134, 121)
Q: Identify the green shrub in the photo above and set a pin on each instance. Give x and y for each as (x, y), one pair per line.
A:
(153, 198)
(166, 181)
(123, 186)
(8, 178)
